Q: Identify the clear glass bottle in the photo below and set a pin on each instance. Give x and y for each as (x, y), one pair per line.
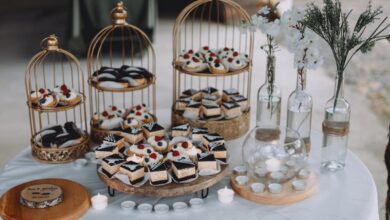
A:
(335, 129)
(269, 98)
(299, 109)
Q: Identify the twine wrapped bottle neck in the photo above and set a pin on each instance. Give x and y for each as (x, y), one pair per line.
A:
(119, 14)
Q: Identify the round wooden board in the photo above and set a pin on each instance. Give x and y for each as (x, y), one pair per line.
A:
(229, 129)
(76, 202)
(287, 196)
(169, 190)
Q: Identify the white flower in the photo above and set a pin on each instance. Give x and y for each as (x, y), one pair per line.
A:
(289, 19)
(263, 11)
(299, 13)
(272, 28)
(313, 58)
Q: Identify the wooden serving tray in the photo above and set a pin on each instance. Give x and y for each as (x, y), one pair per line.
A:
(287, 196)
(169, 190)
(75, 204)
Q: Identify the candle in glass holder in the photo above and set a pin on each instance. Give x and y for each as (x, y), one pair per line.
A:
(225, 195)
(99, 202)
(273, 165)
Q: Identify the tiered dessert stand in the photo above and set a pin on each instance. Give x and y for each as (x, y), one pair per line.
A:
(216, 24)
(115, 45)
(49, 68)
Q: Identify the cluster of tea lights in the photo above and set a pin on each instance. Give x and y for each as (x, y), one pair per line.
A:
(276, 170)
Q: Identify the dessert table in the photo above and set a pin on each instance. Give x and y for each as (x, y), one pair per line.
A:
(349, 194)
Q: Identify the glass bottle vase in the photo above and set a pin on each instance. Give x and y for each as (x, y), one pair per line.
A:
(299, 109)
(335, 128)
(269, 98)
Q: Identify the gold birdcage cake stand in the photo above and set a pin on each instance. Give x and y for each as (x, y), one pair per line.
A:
(213, 58)
(56, 101)
(121, 66)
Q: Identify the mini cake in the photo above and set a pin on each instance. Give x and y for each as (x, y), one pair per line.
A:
(217, 67)
(130, 123)
(175, 155)
(197, 134)
(181, 130)
(141, 116)
(209, 91)
(241, 100)
(105, 150)
(183, 170)
(118, 140)
(134, 171)
(67, 96)
(184, 57)
(195, 65)
(192, 110)
(207, 161)
(231, 109)
(158, 173)
(182, 146)
(182, 103)
(158, 143)
(211, 110)
(212, 138)
(48, 101)
(153, 129)
(140, 108)
(111, 164)
(206, 99)
(133, 135)
(153, 157)
(36, 95)
(140, 149)
(219, 151)
(227, 93)
(193, 94)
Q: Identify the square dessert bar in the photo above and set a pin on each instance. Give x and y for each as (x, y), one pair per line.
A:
(158, 173)
(193, 108)
(133, 135)
(197, 134)
(105, 150)
(211, 110)
(153, 129)
(212, 138)
(241, 100)
(231, 109)
(227, 93)
(209, 91)
(193, 94)
(183, 169)
(133, 170)
(118, 140)
(219, 151)
(182, 102)
(207, 161)
(211, 98)
(181, 130)
(111, 164)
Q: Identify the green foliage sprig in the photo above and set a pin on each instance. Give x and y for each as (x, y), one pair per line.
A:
(331, 24)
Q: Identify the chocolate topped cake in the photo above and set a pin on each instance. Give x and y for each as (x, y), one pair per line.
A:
(158, 173)
(183, 169)
(219, 151)
(231, 109)
(132, 135)
(192, 93)
(134, 171)
(105, 150)
(111, 164)
(209, 91)
(181, 130)
(114, 139)
(212, 138)
(207, 161)
(197, 134)
(153, 129)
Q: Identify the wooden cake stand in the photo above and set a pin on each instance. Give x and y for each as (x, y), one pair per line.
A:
(287, 196)
(169, 190)
(74, 205)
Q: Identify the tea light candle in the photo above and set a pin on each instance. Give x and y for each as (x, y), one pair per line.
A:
(99, 202)
(273, 164)
(225, 195)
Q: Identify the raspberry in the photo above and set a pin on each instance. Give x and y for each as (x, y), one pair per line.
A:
(212, 55)
(205, 48)
(42, 90)
(114, 108)
(64, 87)
(195, 60)
(235, 53)
(141, 146)
(190, 51)
(138, 113)
(184, 144)
(175, 153)
(157, 138)
(217, 61)
(105, 114)
(138, 107)
(230, 59)
(153, 155)
(186, 56)
(225, 49)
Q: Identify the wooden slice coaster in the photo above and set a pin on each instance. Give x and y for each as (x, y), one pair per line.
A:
(287, 196)
(74, 204)
(169, 190)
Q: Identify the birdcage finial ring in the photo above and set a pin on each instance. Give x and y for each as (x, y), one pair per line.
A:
(119, 14)
(50, 43)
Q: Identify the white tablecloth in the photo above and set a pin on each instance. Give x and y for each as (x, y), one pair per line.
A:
(349, 194)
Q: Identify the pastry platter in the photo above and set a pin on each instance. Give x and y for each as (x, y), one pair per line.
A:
(75, 201)
(208, 74)
(169, 190)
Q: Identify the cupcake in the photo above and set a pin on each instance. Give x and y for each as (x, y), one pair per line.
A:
(158, 143)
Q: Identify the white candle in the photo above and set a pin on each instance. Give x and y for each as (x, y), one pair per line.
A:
(99, 202)
(273, 165)
(225, 195)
